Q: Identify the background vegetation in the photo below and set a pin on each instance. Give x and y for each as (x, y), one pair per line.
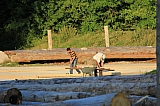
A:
(76, 23)
(139, 37)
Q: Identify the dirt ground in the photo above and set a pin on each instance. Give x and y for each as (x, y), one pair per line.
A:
(59, 71)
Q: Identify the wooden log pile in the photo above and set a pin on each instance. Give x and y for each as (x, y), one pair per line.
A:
(85, 54)
(77, 91)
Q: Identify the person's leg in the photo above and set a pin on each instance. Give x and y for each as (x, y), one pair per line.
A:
(95, 73)
(71, 70)
(75, 65)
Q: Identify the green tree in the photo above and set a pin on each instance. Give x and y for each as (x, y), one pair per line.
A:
(138, 14)
(22, 21)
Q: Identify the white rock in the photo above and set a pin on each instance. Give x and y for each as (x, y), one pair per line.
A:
(83, 48)
(3, 57)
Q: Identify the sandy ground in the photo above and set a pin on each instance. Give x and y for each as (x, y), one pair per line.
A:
(45, 72)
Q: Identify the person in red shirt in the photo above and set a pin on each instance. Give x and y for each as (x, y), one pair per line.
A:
(73, 60)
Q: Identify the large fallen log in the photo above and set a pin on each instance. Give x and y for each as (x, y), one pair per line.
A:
(101, 100)
(108, 100)
(50, 96)
(12, 96)
(85, 55)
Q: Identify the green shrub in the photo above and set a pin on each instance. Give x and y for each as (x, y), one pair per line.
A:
(151, 72)
(9, 64)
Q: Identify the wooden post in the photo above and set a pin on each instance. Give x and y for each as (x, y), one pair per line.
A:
(158, 52)
(106, 35)
(49, 40)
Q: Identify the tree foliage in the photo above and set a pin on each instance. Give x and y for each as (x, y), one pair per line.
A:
(25, 20)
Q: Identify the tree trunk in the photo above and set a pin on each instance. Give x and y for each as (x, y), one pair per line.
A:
(158, 51)
(50, 96)
(91, 89)
(101, 100)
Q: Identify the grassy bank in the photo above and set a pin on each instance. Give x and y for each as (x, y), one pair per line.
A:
(68, 37)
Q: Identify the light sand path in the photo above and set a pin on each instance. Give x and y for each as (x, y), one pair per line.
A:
(39, 72)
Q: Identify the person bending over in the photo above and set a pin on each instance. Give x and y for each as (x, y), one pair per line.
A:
(99, 59)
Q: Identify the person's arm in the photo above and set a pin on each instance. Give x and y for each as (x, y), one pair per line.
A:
(97, 63)
(102, 63)
(72, 59)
